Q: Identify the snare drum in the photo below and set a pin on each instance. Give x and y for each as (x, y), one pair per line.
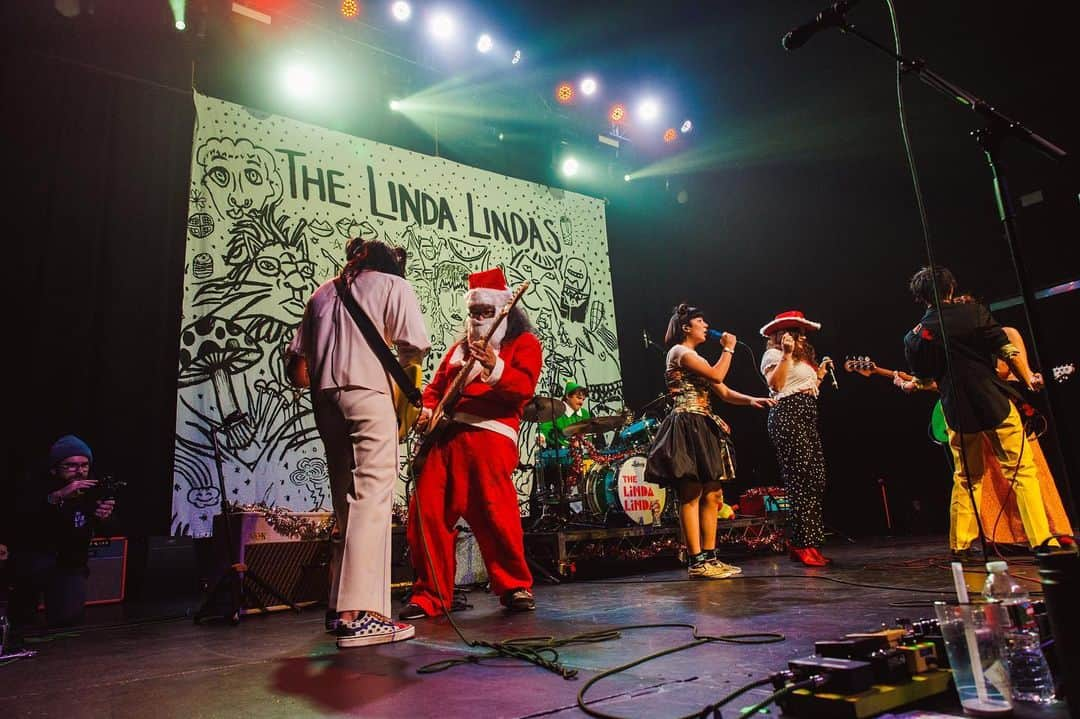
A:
(620, 487)
(640, 432)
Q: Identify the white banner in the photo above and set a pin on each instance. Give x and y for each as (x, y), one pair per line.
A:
(273, 202)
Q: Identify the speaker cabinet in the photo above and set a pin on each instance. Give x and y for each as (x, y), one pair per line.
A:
(296, 569)
(107, 561)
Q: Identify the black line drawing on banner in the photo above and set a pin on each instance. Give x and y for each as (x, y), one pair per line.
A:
(239, 176)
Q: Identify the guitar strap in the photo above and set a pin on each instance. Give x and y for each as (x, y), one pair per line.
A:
(378, 344)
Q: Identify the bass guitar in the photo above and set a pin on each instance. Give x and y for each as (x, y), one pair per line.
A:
(1034, 422)
(442, 415)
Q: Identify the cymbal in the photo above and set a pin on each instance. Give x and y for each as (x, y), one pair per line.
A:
(595, 425)
(543, 409)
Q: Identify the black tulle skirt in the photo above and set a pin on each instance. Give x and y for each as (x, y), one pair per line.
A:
(690, 447)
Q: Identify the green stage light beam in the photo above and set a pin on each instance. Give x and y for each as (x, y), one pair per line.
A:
(179, 11)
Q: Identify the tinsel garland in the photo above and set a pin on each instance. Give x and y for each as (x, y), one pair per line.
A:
(765, 492)
(290, 524)
(580, 448)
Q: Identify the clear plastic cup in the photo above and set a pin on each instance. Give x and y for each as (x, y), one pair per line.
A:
(975, 631)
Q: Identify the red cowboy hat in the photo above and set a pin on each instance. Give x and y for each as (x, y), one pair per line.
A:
(792, 319)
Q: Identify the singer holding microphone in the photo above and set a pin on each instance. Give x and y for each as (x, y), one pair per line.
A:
(692, 453)
(794, 376)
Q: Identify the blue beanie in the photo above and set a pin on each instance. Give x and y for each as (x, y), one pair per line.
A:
(68, 446)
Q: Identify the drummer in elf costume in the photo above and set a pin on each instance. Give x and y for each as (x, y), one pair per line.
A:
(574, 396)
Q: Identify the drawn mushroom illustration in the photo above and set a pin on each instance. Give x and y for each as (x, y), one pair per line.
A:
(214, 348)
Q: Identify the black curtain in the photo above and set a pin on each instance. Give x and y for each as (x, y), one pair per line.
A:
(96, 221)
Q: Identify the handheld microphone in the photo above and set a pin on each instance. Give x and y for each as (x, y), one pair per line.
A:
(832, 16)
(645, 336)
(831, 373)
(714, 334)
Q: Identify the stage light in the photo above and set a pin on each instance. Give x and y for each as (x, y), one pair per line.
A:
(687, 126)
(501, 137)
(570, 166)
(648, 110)
(350, 9)
(617, 113)
(300, 81)
(670, 134)
(179, 13)
(401, 10)
(564, 93)
(441, 25)
(588, 85)
(517, 57)
(484, 43)
(395, 105)
(626, 178)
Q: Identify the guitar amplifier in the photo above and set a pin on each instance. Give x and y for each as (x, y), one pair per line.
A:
(107, 562)
(297, 569)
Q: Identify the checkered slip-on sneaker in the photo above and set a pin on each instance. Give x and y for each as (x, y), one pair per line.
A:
(372, 628)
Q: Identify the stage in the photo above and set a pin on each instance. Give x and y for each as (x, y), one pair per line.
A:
(283, 665)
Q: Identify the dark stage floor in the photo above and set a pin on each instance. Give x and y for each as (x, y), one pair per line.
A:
(282, 665)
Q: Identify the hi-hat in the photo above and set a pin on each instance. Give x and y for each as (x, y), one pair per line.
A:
(543, 409)
(595, 425)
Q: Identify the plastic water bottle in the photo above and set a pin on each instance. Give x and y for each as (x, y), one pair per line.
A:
(1029, 673)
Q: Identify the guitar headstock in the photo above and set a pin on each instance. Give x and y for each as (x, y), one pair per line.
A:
(1064, 372)
(863, 365)
(513, 300)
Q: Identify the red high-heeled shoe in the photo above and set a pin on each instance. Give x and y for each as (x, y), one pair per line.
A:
(807, 556)
(817, 554)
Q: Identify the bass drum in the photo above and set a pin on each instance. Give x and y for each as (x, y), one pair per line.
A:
(620, 488)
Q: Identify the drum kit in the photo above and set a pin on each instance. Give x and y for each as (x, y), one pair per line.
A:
(593, 482)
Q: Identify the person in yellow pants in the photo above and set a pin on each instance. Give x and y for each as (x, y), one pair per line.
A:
(976, 401)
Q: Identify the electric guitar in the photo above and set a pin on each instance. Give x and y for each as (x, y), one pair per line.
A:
(1034, 422)
(443, 413)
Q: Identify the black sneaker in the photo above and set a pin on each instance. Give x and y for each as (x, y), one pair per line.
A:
(519, 600)
(331, 622)
(412, 611)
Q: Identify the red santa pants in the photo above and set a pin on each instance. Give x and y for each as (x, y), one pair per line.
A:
(467, 474)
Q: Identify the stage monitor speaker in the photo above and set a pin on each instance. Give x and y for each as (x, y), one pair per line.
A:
(107, 561)
(298, 569)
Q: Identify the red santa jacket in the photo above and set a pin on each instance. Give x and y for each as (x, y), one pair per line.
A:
(497, 403)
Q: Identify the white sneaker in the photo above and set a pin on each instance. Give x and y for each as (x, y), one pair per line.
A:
(706, 570)
(372, 628)
(724, 566)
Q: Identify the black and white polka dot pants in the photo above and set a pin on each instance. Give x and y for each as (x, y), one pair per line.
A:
(793, 429)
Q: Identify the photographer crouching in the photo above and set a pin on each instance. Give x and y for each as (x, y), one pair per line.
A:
(57, 514)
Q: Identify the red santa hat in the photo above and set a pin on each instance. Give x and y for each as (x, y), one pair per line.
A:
(790, 320)
(488, 288)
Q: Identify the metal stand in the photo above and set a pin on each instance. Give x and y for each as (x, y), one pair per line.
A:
(989, 139)
(233, 584)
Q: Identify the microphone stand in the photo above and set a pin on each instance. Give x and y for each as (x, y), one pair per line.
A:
(989, 137)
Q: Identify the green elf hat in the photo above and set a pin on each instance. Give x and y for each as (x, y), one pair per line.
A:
(572, 387)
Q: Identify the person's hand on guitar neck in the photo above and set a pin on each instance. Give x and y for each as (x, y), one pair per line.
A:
(483, 353)
(422, 420)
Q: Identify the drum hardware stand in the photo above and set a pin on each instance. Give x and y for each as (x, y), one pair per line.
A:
(234, 581)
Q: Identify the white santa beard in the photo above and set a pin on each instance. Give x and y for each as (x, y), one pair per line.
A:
(476, 330)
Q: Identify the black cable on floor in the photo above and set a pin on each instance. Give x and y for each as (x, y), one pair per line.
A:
(699, 639)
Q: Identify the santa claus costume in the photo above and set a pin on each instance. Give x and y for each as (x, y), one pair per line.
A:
(468, 471)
